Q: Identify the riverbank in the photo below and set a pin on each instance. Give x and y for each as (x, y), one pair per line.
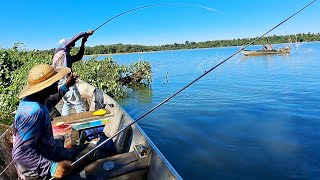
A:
(145, 52)
(120, 48)
(92, 55)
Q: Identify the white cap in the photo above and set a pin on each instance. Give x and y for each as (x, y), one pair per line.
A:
(62, 41)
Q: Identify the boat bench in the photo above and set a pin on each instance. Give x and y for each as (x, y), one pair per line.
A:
(80, 117)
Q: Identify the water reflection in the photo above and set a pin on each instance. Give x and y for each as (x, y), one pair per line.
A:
(139, 93)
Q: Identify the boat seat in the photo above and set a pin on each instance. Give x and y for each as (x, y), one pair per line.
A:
(124, 139)
(98, 99)
(123, 166)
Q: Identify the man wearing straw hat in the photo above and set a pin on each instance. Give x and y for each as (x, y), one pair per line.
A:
(62, 58)
(35, 153)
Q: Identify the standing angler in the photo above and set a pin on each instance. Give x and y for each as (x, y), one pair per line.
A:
(62, 57)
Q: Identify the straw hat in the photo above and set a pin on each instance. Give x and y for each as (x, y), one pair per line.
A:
(42, 76)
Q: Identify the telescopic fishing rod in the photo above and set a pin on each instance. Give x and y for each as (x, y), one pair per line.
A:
(176, 93)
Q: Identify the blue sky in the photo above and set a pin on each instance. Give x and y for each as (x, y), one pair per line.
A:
(41, 24)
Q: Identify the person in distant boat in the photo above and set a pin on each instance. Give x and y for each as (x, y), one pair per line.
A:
(62, 58)
(36, 154)
(270, 47)
(264, 47)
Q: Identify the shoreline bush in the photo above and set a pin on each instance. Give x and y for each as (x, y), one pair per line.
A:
(106, 74)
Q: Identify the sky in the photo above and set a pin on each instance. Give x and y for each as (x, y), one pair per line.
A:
(40, 24)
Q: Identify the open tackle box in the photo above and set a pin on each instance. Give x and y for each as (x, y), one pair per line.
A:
(79, 122)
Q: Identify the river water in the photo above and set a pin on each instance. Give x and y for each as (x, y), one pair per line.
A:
(251, 118)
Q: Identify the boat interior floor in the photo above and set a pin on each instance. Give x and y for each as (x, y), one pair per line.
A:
(129, 165)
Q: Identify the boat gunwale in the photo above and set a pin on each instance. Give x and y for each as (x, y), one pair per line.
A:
(154, 147)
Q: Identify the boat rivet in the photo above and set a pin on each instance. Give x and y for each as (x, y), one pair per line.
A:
(108, 165)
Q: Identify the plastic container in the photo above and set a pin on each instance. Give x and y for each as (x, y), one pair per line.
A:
(61, 129)
(95, 123)
(78, 126)
(89, 124)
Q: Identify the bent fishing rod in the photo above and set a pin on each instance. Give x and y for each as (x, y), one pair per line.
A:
(154, 5)
(185, 87)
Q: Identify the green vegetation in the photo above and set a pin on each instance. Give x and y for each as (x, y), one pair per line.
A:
(128, 48)
(112, 78)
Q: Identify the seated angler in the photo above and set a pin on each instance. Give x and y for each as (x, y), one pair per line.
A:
(35, 153)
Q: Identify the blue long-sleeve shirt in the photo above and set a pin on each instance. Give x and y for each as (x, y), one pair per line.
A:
(34, 147)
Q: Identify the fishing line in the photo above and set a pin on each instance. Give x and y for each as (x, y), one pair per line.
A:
(176, 93)
(6, 168)
(154, 5)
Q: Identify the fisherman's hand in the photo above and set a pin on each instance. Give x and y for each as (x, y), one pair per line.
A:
(72, 79)
(90, 32)
(64, 168)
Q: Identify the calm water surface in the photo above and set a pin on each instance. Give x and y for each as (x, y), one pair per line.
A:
(251, 118)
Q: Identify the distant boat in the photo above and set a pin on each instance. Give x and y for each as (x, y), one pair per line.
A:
(285, 50)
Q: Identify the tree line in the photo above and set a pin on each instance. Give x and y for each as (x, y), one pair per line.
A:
(129, 48)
